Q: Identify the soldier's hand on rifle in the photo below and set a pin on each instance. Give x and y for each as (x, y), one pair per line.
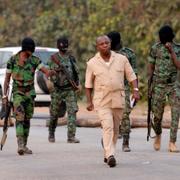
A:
(4, 100)
(48, 72)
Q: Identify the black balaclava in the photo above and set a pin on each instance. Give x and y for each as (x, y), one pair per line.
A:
(166, 34)
(115, 38)
(62, 44)
(28, 44)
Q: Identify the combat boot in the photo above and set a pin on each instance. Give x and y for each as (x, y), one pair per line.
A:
(73, 140)
(157, 142)
(26, 149)
(51, 137)
(20, 141)
(125, 145)
(173, 148)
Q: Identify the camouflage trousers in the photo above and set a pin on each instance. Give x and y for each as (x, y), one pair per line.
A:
(160, 93)
(125, 127)
(69, 97)
(23, 108)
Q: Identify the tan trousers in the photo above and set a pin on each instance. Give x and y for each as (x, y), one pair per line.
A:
(110, 119)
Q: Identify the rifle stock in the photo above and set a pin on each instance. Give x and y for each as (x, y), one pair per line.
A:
(149, 120)
(149, 115)
(5, 126)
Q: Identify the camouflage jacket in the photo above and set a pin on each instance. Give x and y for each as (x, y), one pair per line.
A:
(165, 71)
(131, 56)
(177, 85)
(68, 62)
(23, 76)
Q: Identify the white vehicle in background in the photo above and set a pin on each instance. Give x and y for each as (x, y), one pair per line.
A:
(41, 87)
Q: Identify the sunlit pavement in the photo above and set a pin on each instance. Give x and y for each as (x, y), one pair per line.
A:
(84, 161)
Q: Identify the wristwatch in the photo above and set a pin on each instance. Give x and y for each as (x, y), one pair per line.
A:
(135, 89)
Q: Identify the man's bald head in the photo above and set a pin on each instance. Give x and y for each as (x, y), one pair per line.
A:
(102, 38)
(103, 45)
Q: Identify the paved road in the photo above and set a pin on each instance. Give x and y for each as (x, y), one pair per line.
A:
(84, 161)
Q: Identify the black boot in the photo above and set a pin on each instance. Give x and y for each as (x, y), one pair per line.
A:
(20, 142)
(51, 137)
(125, 145)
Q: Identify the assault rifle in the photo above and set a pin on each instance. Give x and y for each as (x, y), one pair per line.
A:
(149, 115)
(64, 70)
(5, 114)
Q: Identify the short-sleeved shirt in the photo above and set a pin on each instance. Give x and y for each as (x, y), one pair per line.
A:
(23, 76)
(108, 80)
(165, 71)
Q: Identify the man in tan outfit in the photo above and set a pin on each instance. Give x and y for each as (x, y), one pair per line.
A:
(105, 75)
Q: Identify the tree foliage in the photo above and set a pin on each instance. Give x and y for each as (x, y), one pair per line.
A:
(82, 21)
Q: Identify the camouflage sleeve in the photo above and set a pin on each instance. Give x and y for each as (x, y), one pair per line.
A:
(131, 56)
(9, 66)
(51, 63)
(152, 55)
(133, 62)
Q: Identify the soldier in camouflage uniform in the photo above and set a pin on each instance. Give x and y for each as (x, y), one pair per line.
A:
(63, 91)
(176, 61)
(21, 67)
(125, 128)
(164, 80)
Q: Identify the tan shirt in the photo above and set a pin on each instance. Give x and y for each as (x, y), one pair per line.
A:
(108, 80)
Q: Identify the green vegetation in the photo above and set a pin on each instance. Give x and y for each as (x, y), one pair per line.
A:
(82, 21)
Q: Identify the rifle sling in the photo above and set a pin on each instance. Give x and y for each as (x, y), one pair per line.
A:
(55, 60)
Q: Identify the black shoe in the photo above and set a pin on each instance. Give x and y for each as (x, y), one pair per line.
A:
(51, 137)
(20, 151)
(105, 160)
(111, 161)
